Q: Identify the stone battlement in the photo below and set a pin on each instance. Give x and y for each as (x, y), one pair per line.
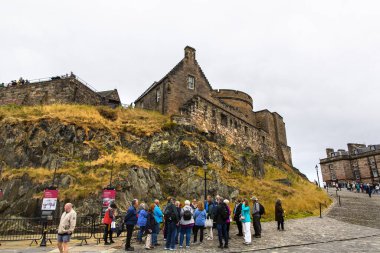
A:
(56, 90)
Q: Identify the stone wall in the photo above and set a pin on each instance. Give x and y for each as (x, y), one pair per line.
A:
(61, 91)
(210, 117)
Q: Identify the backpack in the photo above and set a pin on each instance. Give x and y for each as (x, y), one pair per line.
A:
(224, 212)
(169, 214)
(187, 215)
(107, 219)
(262, 209)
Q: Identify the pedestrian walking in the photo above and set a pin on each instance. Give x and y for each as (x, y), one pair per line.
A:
(200, 220)
(237, 213)
(141, 221)
(66, 228)
(158, 216)
(256, 213)
(130, 221)
(150, 228)
(210, 210)
(172, 217)
(109, 222)
(245, 218)
(279, 215)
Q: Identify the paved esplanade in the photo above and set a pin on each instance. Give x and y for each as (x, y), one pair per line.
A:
(357, 230)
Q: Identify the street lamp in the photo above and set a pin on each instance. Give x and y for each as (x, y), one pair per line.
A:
(316, 168)
(205, 170)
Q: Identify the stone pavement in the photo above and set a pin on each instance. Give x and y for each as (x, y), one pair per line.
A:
(302, 235)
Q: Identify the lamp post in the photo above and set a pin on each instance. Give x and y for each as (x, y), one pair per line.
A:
(316, 168)
(205, 171)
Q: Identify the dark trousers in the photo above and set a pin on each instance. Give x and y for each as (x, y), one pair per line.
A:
(196, 229)
(280, 223)
(222, 234)
(129, 236)
(107, 232)
(228, 230)
(170, 239)
(239, 226)
(166, 229)
(257, 225)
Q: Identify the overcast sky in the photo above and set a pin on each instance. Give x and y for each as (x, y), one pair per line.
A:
(317, 63)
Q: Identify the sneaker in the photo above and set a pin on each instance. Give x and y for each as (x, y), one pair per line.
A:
(166, 248)
(130, 249)
(187, 247)
(150, 248)
(107, 243)
(172, 249)
(181, 246)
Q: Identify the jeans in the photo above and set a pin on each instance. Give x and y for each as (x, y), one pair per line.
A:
(187, 231)
(196, 229)
(222, 234)
(140, 234)
(155, 234)
(129, 236)
(170, 239)
(178, 229)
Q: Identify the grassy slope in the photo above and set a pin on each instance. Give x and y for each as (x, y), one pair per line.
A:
(301, 199)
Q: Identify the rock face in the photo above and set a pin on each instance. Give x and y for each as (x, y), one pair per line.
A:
(176, 154)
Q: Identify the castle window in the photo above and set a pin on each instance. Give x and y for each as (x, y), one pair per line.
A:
(223, 119)
(332, 172)
(190, 82)
(357, 174)
(158, 96)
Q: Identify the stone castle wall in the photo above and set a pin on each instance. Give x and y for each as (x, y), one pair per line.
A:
(208, 116)
(61, 91)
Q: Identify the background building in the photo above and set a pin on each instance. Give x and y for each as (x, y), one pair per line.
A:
(360, 163)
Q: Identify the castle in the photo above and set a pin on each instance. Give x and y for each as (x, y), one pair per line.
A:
(66, 89)
(359, 163)
(186, 95)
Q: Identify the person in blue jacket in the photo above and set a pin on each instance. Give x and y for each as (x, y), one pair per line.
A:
(158, 216)
(141, 221)
(130, 221)
(245, 218)
(200, 220)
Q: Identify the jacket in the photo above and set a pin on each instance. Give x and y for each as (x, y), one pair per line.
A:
(109, 216)
(150, 224)
(256, 209)
(245, 211)
(279, 213)
(158, 215)
(143, 216)
(229, 214)
(237, 212)
(218, 219)
(131, 216)
(171, 213)
(184, 222)
(200, 217)
(67, 222)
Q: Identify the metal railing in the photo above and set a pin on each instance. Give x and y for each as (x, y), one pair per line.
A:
(36, 229)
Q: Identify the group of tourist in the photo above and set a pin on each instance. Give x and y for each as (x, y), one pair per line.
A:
(182, 222)
(357, 187)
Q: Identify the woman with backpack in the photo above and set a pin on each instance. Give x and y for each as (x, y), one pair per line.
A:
(187, 223)
(200, 220)
(245, 218)
(109, 218)
(279, 215)
(150, 227)
(141, 221)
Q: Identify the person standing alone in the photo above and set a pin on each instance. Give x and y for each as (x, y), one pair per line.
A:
(66, 228)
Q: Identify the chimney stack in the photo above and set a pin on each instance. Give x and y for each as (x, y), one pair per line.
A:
(189, 53)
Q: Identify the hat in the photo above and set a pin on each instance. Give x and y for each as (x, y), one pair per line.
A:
(254, 198)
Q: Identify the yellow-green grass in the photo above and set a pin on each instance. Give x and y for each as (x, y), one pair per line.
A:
(137, 121)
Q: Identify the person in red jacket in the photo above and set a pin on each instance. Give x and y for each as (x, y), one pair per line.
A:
(109, 217)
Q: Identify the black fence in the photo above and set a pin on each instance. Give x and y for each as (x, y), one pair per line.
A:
(36, 229)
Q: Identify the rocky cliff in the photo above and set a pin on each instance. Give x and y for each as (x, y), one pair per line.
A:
(149, 156)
